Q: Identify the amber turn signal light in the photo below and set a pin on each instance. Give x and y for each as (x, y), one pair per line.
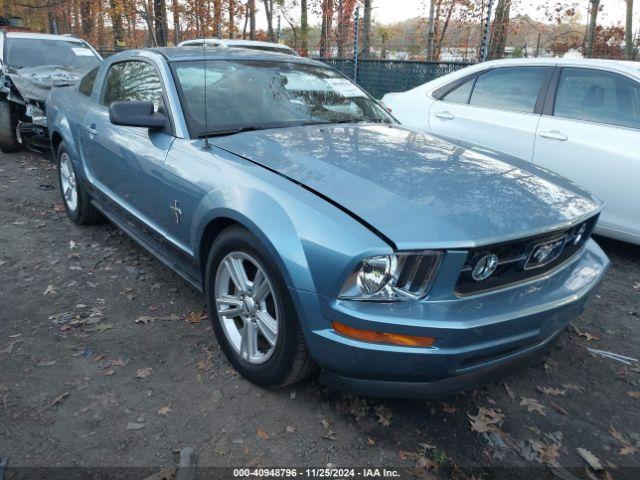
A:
(381, 337)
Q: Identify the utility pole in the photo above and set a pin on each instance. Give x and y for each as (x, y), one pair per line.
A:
(431, 32)
(356, 41)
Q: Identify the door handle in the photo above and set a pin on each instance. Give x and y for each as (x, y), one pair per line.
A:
(445, 115)
(554, 135)
(92, 129)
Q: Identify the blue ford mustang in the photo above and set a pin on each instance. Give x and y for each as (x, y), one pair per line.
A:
(322, 232)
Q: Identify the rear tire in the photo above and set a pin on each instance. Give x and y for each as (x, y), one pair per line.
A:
(280, 356)
(8, 124)
(76, 200)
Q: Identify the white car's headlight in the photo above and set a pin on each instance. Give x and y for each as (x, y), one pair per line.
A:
(388, 278)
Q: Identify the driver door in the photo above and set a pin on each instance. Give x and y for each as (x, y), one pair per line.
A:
(126, 163)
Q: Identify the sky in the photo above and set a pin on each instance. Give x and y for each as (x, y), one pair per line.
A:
(390, 11)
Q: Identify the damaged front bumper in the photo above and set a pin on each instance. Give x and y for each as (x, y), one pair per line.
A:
(34, 132)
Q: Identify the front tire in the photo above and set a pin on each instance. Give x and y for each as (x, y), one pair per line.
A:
(252, 313)
(8, 124)
(76, 201)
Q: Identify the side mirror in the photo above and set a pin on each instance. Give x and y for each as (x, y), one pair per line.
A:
(136, 114)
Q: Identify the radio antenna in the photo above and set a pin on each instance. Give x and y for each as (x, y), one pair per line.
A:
(206, 115)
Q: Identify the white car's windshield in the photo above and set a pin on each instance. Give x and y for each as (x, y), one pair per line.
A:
(39, 52)
(264, 94)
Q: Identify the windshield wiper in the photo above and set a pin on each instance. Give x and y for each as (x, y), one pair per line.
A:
(229, 131)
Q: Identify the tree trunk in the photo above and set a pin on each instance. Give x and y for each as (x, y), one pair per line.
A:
(500, 29)
(628, 32)
(304, 29)
(232, 18)
(175, 9)
(342, 29)
(116, 22)
(326, 27)
(591, 29)
(87, 21)
(268, 10)
(160, 10)
(217, 17)
(366, 29)
(252, 19)
(438, 48)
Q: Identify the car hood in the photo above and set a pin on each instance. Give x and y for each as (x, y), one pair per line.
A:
(35, 83)
(415, 189)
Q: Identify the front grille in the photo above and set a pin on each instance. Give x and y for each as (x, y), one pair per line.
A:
(523, 259)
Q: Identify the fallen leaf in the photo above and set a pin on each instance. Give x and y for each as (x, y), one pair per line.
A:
(636, 286)
(325, 423)
(384, 415)
(164, 411)
(107, 372)
(118, 362)
(144, 319)
(370, 441)
(204, 364)
(586, 335)
(99, 358)
(533, 405)
(58, 207)
(262, 434)
(509, 391)
(134, 426)
(627, 447)
(571, 386)
(144, 372)
(590, 458)
(195, 317)
(487, 420)
(547, 453)
(635, 395)
(50, 290)
(558, 408)
(552, 391)
(46, 364)
(291, 429)
(72, 245)
(330, 435)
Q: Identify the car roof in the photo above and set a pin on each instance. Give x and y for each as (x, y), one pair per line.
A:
(43, 36)
(233, 42)
(627, 65)
(184, 54)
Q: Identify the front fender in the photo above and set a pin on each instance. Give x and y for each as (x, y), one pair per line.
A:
(316, 244)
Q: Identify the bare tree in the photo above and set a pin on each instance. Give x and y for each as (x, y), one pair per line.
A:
(175, 9)
(304, 28)
(591, 28)
(628, 32)
(160, 10)
(268, 10)
(500, 29)
(366, 29)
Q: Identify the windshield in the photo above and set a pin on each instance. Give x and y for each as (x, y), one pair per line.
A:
(264, 94)
(37, 52)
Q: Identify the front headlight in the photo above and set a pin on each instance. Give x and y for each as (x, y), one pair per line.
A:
(388, 278)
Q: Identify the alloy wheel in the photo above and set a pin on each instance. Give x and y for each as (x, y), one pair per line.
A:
(68, 182)
(247, 307)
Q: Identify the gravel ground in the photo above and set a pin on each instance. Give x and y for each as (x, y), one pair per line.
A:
(106, 361)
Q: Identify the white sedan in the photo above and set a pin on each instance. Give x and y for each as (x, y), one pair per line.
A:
(579, 118)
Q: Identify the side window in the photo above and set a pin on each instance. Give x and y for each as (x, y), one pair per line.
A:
(132, 80)
(598, 96)
(510, 88)
(86, 84)
(461, 93)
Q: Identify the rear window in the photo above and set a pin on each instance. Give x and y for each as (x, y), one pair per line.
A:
(598, 96)
(513, 88)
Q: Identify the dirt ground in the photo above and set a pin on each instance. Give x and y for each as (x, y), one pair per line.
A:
(106, 361)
